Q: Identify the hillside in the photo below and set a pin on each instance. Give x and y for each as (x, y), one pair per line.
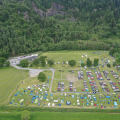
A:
(32, 25)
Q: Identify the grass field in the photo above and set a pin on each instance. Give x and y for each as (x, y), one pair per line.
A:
(9, 79)
(61, 116)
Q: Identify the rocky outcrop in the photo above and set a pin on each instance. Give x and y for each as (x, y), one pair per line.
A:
(54, 10)
(26, 17)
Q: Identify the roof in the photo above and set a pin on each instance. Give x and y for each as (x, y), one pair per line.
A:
(32, 58)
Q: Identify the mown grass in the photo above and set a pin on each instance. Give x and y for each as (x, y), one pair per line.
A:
(61, 116)
(9, 79)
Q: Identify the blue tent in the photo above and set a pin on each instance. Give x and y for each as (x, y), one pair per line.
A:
(51, 94)
(31, 94)
(115, 103)
(34, 98)
(85, 97)
(72, 96)
(94, 99)
(104, 106)
(21, 103)
(108, 102)
(46, 94)
(68, 103)
(10, 102)
(45, 97)
(107, 96)
(15, 94)
(59, 104)
(31, 90)
(115, 107)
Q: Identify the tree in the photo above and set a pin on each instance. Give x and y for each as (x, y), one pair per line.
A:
(82, 64)
(2, 60)
(42, 60)
(51, 62)
(25, 115)
(89, 62)
(24, 63)
(96, 62)
(118, 61)
(71, 62)
(108, 65)
(114, 64)
(114, 55)
(36, 62)
(42, 77)
(7, 63)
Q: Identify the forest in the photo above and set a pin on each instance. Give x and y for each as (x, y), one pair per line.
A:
(48, 25)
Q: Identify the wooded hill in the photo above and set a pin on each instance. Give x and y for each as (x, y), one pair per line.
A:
(34, 25)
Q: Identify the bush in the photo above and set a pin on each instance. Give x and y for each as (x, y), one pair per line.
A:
(25, 115)
(82, 64)
(114, 64)
(108, 65)
(42, 77)
(71, 62)
(24, 63)
(7, 63)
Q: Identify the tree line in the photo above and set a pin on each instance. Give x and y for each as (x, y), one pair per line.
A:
(94, 20)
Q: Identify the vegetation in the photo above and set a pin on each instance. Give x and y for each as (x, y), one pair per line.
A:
(96, 62)
(51, 62)
(71, 62)
(12, 76)
(86, 25)
(2, 60)
(82, 64)
(42, 60)
(42, 77)
(114, 64)
(25, 115)
(60, 115)
(24, 63)
(108, 65)
(7, 63)
(36, 62)
(89, 62)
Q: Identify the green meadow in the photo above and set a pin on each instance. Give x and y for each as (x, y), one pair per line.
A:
(10, 78)
(61, 116)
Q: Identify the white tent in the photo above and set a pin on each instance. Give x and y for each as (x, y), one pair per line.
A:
(78, 103)
(53, 104)
(48, 104)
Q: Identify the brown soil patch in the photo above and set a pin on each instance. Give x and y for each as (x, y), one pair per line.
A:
(71, 77)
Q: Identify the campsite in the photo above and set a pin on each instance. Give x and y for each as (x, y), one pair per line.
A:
(71, 87)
